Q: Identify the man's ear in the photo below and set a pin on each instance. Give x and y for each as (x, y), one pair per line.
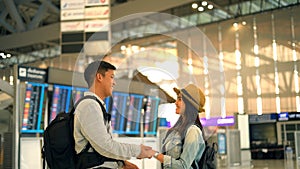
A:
(99, 76)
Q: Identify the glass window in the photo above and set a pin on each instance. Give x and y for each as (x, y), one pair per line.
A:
(290, 127)
(290, 136)
(298, 127)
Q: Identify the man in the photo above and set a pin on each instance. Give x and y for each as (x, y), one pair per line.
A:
(89, 123)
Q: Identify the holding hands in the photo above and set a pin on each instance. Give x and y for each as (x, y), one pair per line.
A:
(146, 152)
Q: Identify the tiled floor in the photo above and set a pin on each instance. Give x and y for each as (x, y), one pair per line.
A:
(261, 164)
(266, 164)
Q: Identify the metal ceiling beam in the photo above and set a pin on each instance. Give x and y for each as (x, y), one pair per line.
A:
(7, 26)
(18, 2)
(53, 10)
(39, 35)
(14, 14)
(53, 31)
(142, 6)
(5, 87)
(222, 8)
(4, 23)
(51, 7)
(38, 17)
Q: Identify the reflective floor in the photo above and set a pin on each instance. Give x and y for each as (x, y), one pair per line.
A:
(266, 164)
(260, 164)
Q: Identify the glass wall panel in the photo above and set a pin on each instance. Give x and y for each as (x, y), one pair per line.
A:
(269, 56)
(261, 53)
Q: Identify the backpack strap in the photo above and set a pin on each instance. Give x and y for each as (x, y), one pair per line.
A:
(106, 116)
(194, 163)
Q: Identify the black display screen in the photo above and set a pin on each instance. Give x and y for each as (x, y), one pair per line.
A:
(263, 133)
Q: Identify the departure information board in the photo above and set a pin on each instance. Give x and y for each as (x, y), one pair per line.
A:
(34, 109)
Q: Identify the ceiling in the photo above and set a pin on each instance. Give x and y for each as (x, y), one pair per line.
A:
(30, 29)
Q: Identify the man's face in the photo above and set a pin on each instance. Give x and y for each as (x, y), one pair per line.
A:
(108, 82)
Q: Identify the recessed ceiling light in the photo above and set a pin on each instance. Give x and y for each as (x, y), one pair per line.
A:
(194, 5)
(123, 47)
(235, 24)
(201, 9)
(210, 6)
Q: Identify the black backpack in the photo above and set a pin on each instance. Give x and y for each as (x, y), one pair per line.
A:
(59, 145)
(208, 158)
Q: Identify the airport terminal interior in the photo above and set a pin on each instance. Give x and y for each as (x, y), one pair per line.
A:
(243, 54)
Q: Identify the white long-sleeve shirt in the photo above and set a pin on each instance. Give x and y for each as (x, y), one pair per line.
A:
(89, 126)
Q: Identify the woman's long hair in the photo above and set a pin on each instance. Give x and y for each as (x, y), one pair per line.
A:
(188, 118)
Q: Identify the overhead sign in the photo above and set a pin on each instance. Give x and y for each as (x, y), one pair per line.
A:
(72, 14)
(72, 4)
(294, 115)
(283, 116)
(96, 2)
(218, 121)
(264, 118)
(97, 12)
(72, 26)
(288, 116)
(96, 25)
(83, 19)
(32, 74)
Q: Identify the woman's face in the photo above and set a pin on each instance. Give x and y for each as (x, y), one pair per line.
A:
(180, 106)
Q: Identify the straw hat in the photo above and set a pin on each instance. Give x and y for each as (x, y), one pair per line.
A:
(194, 95)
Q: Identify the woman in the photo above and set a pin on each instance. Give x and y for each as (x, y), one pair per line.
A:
(184, 142)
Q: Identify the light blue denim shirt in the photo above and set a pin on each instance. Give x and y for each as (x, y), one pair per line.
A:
(179, 155)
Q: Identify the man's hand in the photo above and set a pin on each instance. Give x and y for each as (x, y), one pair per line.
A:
(129, 165)
(146, 152)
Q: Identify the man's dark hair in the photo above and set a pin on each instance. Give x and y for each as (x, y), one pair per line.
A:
(96, 67)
